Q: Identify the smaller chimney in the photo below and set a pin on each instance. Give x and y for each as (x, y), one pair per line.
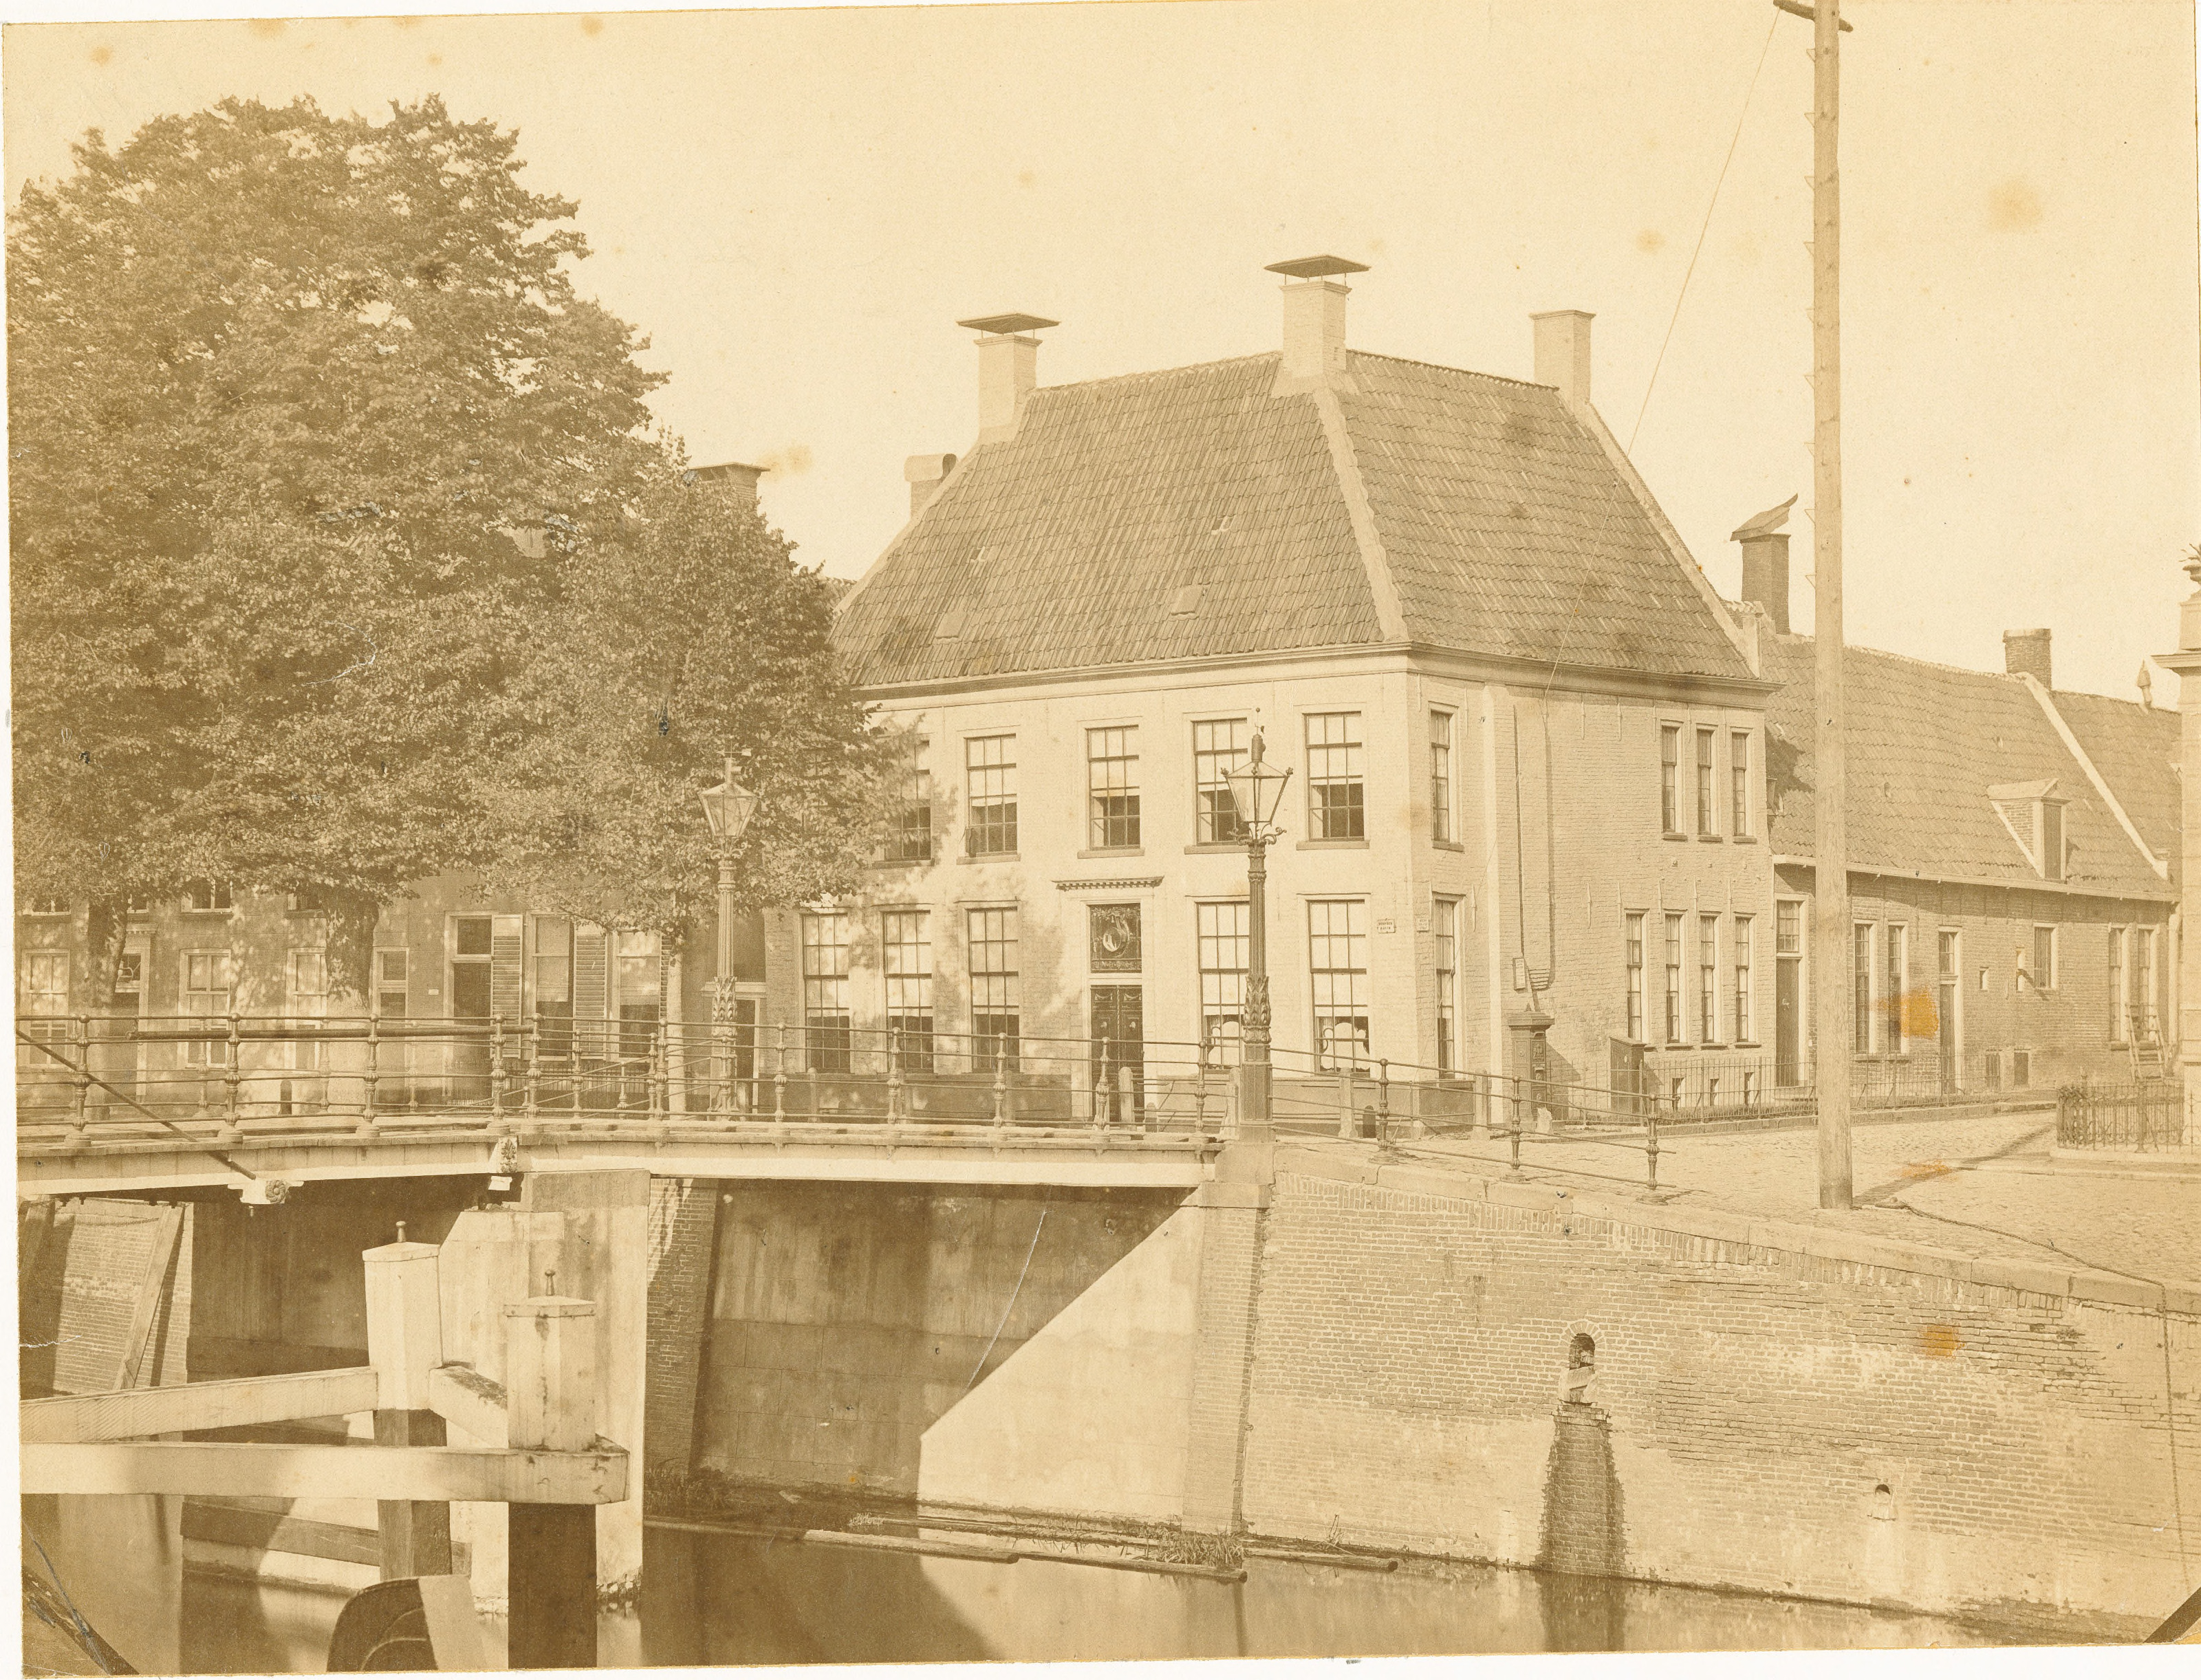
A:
(925, 474)
(736, 481)
(2025, 654)
(1563, 353)
(1314, 321)
(1008, 370)
(1765, 563)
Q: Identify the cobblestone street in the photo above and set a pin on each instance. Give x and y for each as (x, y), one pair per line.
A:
(1980, 1186)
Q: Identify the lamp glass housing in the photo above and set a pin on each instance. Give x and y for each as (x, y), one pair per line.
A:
(728, 808)
(1257, 787)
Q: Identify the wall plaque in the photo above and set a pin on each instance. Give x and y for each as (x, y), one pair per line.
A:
(1115, 939)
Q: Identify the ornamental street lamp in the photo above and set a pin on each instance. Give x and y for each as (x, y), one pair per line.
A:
(727, 808)
(1257, 787)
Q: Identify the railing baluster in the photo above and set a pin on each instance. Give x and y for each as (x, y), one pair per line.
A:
(895, 1087)
(779, 1078)
(496, 1075)
(660, 1087)
(371, 1081)
(232, 1079)
(1651, 1148)
(78, 1117)
(530, 1079)
(1383, 1106)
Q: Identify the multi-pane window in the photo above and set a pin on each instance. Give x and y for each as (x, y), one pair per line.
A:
(1670, 777)
(2051, 829)
(1222, 939)
(641, 976)
(45, 906)
(208, 895)
(130, 982)
(909, 830)
(1898, 983)
(1112, 780)
(306, 999)
(826, 990)
(1218, 747)
(1440, 775)
(1708, 979)
(206, 992)
(45, 983)
(1673, 979)
(1334, 809)
(2119, 1004)
(991, 765)
(996, 1010)
(1745, 1013)
(905, 948)
(553, 987)
(1445, 924)
(1337, 948)
(1635, 998)
(2043, 966)
(1738, 775)
(1707, 818)
(1861, 1009)
(393, 975)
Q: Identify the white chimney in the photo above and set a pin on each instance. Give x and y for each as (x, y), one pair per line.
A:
(1008, 369)
(925, 474)
(1314, 321)
(1563, 353)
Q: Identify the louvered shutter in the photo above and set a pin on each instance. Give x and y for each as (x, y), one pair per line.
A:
(591, 986)
(504, 968)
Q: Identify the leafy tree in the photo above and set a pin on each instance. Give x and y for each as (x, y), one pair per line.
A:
(318, 462)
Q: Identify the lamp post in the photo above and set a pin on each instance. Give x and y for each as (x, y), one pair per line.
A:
(727, 808)
(1257, 787)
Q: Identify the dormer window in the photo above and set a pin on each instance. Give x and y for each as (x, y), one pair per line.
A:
(2033, 811)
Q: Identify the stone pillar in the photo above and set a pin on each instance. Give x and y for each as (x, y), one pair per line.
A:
(584, 1236)
(1234, 1214)
(2186, 662)
(684, 1221)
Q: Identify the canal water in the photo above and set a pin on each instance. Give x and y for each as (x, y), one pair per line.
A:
(722, 1599)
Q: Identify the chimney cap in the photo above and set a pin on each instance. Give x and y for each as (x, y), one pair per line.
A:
(743, 469)
(1006, 324)
(1317, 268)
(1763, 524)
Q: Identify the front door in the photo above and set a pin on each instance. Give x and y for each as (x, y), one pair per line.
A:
(1119, 1054)
(1788, 1022)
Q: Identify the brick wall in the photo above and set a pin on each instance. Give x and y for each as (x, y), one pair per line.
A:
(1776, 1420)
(683, 1218)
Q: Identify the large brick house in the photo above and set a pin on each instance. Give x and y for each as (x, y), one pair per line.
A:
(1525, 733)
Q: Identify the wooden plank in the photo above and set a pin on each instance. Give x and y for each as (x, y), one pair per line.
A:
(270, 1531)
(416, 1533)
(470, 1401)
(551, 1586)
(147, 1306)
(489, 1476)
(122, 1414)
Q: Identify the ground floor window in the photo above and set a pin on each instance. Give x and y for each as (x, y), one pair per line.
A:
(1337, 946)
(996, 1011)
(1223, 941)
(905, 948)
(826, 1030)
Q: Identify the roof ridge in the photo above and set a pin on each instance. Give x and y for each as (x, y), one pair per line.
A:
(1445, 367)
(1158, 372)
(1907, 658)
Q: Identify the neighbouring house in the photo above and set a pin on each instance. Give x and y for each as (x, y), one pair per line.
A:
(1527, 816)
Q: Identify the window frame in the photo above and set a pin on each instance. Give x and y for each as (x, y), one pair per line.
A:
(1211, 939)
(909, 838)
(998, 822)
(1895, 966)
(221, 898)
(1707, 783)
(2034, 965)
(1212, 800)
(995, 1045)
(1345, 818)
(1633, 952)
(1443, 830)
(1864, 989)
(1741, 805)
(1111, 787)
(821, 1013)
(908, 990)
(1670, 781)
(1444, 926)
(1676, 1023)
(1708, 971)
(1324, 1010)
(1744, 964)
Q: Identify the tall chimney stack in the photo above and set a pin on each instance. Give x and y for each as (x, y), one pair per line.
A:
(736, 481)
(2025, 654)
(1008, 369)
(1765, 562)
(1563, 353)
(1314, 321)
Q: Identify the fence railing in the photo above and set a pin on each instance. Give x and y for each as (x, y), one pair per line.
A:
(2148, 1114)
(231, 1075)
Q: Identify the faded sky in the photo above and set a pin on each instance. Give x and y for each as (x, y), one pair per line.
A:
(796, 205)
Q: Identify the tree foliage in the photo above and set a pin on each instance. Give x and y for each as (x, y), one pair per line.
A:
(321, 465)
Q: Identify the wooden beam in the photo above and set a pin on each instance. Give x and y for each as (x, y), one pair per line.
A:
(285, 1472)
(120, 1416)
(467, 1400)
(147, 1308)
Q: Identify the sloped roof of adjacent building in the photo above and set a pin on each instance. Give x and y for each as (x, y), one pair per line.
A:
(1194, 513)
(2135, 747)
(1926, 744)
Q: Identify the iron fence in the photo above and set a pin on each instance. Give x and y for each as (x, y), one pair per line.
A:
(2145, 1116)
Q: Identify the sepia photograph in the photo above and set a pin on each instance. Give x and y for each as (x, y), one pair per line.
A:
(1027, 833)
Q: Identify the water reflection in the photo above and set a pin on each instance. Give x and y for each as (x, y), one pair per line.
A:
(721, 1599)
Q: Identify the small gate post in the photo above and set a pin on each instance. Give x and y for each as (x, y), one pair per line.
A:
(550, 1389)
(404, 1343)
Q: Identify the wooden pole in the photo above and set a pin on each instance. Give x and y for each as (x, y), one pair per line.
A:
(405, 1345)
(550, 1397)
(1830, 849)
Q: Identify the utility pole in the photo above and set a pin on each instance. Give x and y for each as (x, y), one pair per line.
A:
(1831, 934)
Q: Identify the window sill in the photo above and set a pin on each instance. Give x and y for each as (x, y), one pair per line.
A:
(1712, 838)
(990, 858)
(1237, 848)
(903, 862)
(1744, 839)
(1674, 834)
(209, 914)
(1447, 846)
(1114, 852)
(1331, 846)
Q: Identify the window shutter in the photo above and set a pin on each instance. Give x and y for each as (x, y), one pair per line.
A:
(591, 973)
(504, 968)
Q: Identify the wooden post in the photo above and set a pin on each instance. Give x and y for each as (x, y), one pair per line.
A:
(405, 1344)
(550, 1390)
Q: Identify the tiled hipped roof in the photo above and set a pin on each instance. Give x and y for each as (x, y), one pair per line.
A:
(1192, 513)
(1926, 743)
